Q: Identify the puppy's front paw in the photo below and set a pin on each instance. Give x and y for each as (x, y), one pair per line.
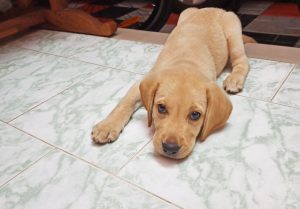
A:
(105, 132)
(233, 83)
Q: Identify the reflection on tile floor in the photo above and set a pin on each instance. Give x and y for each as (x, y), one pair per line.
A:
(252, 163)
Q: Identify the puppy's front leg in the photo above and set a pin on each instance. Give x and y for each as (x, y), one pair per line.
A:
(233, 32)
(110, 128)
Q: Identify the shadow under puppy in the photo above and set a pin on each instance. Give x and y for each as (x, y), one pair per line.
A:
(182, 99)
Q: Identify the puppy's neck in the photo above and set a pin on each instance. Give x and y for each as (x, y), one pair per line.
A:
(185, 72)
(186, 65)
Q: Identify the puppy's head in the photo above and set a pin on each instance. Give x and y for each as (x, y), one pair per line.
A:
(182, 110)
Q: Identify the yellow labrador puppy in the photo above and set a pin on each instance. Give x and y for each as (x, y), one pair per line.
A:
(180, 94)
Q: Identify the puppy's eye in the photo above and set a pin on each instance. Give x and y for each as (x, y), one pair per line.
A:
(161, 108)
(195, 115)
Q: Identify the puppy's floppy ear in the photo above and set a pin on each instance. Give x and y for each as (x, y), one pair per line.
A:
(148, 88)
(218, 110)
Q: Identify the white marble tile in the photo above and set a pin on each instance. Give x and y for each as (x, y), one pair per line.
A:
(131, 56)
(17, 151)
(67, 120)
(57, 43)
(10, 57)
(28, 78)
(289, 94)
(254, 162)
(264, 78)
(59, 181)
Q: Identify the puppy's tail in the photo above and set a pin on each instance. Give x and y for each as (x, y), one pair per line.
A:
(247, 39)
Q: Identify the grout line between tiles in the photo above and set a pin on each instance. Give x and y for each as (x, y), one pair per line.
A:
(67, 88)
(47, 99)
(294, 66)
(36, 137)
(70, 58)
(283, 82)
(106, 66)
(97, 167)
(284, 105)
(133, 157)
(118, 177)
(258, 99)
(162, 199)
(29, 166)
(267, 101)
(136, 154)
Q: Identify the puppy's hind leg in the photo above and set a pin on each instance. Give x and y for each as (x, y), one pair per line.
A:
(232, 28)
(110, 128)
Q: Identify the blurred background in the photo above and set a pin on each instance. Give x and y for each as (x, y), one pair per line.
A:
(269, 22)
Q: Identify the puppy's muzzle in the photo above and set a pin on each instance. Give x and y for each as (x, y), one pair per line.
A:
(170, 148)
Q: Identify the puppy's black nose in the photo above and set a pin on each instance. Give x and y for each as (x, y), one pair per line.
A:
(170, 148)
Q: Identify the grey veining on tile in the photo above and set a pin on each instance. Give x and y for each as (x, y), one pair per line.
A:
(9, 59)
(59, 181)
(289, 94)
(57, 43)
(17, 151)
(264, 78)
(254, 162)
(124, 55)
(28, 79)
(67, 120)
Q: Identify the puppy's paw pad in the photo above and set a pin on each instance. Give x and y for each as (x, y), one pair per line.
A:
(233, 84)
(105, 132)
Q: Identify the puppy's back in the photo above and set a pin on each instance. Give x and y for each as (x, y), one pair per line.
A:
(206, 25)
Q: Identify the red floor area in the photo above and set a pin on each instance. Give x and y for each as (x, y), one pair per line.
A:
(283, 9)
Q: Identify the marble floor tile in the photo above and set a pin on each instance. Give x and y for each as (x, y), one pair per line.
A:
(131, 56)
(9, 59)
(59, 181)
(17, 151)
(264, 78)
(28, 78)
(57, 43)
(289, 94)
(67, 120)
(253, 162)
